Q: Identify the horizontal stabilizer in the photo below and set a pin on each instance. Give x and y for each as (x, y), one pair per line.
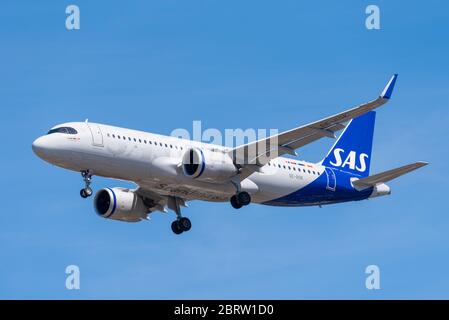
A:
(387, 175)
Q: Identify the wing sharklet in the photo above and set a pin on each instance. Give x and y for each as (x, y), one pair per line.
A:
(388, 91)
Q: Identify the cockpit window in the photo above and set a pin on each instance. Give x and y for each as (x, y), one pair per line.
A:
(65, 130)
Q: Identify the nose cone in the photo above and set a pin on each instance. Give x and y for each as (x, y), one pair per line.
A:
(42, 147)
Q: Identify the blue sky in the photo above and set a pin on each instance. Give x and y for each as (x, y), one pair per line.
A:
(159, 65)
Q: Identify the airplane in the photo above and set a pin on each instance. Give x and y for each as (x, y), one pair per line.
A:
(170, 171)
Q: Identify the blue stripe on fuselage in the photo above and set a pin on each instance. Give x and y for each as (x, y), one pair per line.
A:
(316, 192)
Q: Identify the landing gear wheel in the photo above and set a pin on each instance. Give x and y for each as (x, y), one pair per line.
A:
(244, 198)
(181, 224)
(235, 203)
(240, 200)
(83, 194)
(176, 227)
(86, 193)
(87, 178)
(185, 224)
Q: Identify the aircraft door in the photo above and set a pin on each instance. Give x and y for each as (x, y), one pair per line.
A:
(331, 179)
(97, 135)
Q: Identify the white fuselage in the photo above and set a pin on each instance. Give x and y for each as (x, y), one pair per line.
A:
(153, 161)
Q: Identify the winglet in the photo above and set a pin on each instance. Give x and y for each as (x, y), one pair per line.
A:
(388, 90)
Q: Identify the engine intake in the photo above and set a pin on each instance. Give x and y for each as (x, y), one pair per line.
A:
(120, 204)
(208, 166)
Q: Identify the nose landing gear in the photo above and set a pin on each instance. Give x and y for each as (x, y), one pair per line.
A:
(86, 192)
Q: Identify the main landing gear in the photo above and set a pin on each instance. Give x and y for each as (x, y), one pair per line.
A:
(181, 224)
(240, 200)
(86, 192)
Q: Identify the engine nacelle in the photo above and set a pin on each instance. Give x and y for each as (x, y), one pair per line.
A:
(120, 204)
(208, 166)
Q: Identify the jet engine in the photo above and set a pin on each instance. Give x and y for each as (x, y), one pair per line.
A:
(120, 204)
(208, 166)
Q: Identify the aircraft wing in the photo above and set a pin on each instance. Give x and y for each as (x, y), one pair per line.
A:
(387, 175)
(252, 156)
